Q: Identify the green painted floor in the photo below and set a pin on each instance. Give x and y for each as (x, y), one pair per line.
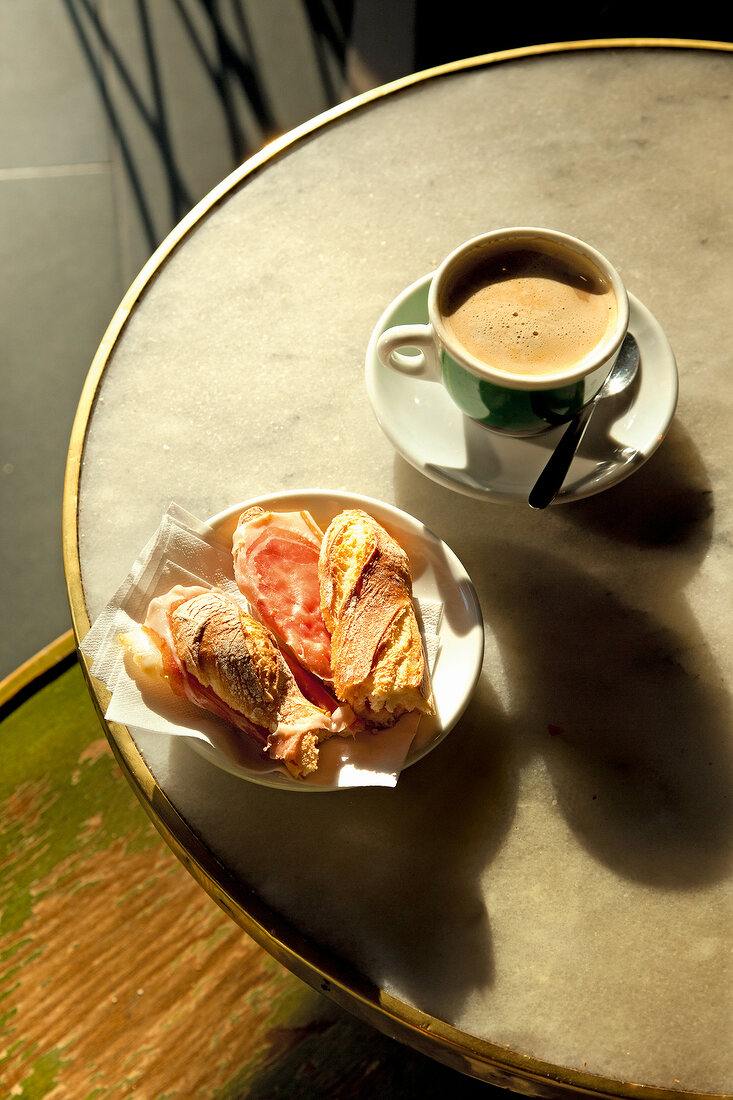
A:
(119, 975)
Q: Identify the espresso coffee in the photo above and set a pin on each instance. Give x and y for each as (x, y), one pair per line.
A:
(528, 310)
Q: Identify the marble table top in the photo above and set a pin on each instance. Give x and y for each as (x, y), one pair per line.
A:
(546, 899)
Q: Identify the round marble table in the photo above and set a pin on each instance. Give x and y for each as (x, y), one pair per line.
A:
(545, 901)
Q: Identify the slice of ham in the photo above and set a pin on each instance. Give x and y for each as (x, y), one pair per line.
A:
(275, 557)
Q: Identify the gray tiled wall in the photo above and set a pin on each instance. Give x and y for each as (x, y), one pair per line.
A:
(116, 116)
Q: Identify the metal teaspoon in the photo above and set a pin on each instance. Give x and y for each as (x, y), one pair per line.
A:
(550, 481)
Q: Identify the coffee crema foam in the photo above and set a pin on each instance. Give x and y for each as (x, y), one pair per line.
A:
(527, 310)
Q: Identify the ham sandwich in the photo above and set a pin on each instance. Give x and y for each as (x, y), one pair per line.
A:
(329, 642)
(377, 657)
(214, 654)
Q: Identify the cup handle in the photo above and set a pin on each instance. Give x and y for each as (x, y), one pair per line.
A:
(424, 359)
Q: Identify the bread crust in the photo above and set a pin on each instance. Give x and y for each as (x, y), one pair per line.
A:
(237, 659)
(377, 657)
(231, 653)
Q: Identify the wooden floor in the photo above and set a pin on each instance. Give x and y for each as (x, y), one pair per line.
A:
(118, 975)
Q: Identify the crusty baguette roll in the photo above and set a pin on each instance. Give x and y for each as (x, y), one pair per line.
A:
(213, 653)
(377, 658)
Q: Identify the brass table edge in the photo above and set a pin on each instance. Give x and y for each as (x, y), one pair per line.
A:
(36, 666)
(318, 968)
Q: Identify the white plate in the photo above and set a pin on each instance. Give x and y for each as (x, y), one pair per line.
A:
(424, 425)
(438, 576)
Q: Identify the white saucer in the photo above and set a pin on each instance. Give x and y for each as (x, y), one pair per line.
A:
(427, 429)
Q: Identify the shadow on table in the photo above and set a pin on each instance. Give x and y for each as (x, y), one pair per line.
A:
(610, 676)
(597, 667)
(339, 1056)
(131, 56)
(386, 877)
(665, 506)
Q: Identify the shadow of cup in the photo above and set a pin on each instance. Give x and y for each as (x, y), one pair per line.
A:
(608, 672)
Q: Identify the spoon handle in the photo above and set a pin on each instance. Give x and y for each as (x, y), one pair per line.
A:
(550, 481)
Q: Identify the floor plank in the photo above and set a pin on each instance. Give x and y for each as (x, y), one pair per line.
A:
(118, 975)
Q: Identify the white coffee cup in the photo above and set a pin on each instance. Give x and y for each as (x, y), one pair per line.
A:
(553, 313)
